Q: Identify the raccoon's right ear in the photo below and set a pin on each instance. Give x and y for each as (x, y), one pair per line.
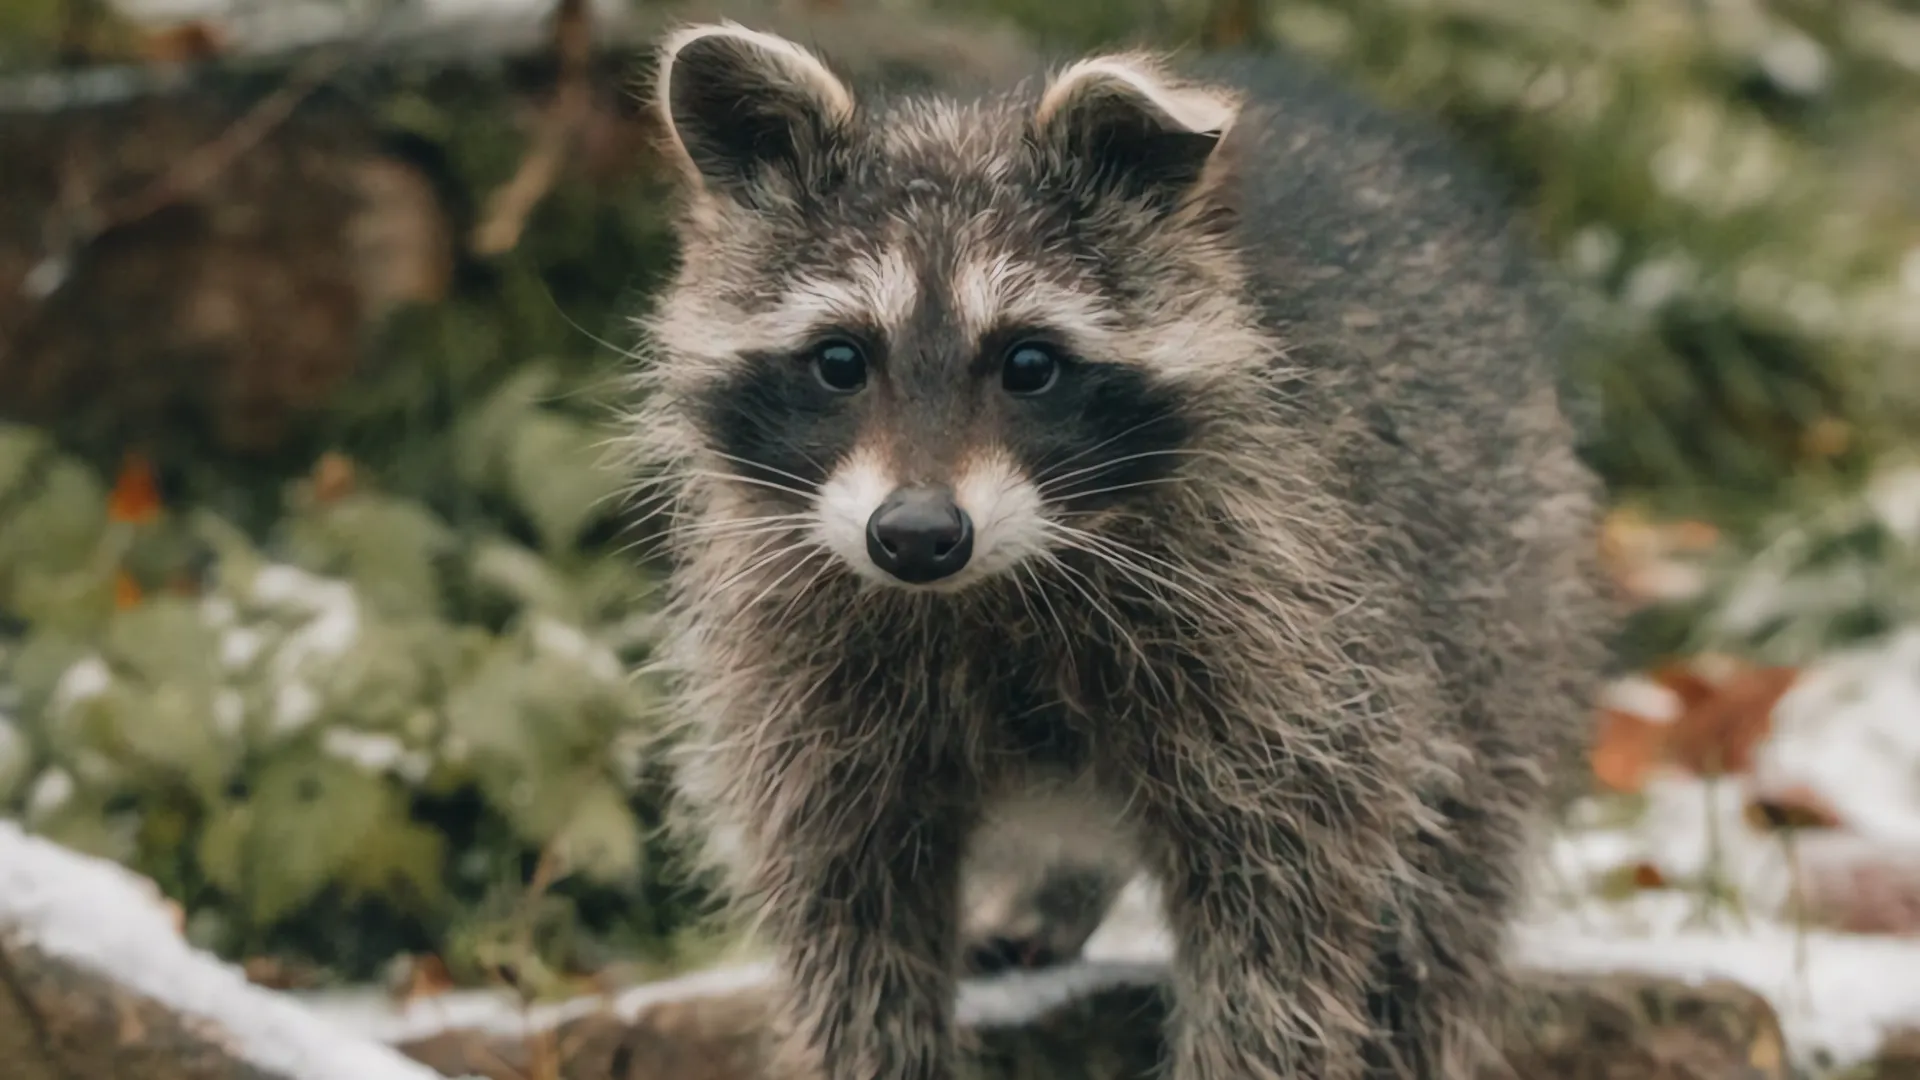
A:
(1122, 125)
(740, 105)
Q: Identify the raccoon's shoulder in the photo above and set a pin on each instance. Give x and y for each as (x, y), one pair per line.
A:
(1357, 214)
(1333, 174)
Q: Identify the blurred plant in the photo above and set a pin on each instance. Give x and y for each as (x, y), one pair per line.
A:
(359, 736)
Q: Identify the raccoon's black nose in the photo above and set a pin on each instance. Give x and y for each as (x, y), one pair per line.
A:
(920, 535)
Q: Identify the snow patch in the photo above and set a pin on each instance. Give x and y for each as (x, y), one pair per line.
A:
(52, 790)
(558, 639)
(97, 915)
(499, 1014)
(1847, 730)
(84, 680)
(377, 753)
(1642, 697)
(294, 707)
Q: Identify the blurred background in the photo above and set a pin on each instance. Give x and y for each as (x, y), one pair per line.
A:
(316, 594)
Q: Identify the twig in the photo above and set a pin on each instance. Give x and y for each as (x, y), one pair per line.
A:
(559, 129)
(200, 167)
(543, 1059)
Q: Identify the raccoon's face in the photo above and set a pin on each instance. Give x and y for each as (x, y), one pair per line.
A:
(939, 338)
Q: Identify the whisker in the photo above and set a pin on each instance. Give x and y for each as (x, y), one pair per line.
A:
(1114, 463)
(1155, 481)
(736, 459)
(776, 582)
(737, 478)
(1102, 444)
(1123, 555)
(723, 527)
(757, 564)
(791, 608)
(1074, 578)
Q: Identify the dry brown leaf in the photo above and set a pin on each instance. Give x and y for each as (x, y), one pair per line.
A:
(1725, 710)
(1718, 735)
(425, 977)
(276, 973)
(333, 477)
(1648, 876)
(1827, 437)
(1798, 807)
(1646, 559)
(183, 43)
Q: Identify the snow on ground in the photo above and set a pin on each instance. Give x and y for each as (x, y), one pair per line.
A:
(375, 1015)
(99, 916)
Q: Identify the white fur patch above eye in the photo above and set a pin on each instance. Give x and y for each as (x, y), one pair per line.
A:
(878, 289)
(1003, 291)
(1009, 517)
(1196, 108)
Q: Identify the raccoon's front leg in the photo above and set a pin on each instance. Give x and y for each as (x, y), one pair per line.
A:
(861, 902)
(1273, 892)
(1441, 985)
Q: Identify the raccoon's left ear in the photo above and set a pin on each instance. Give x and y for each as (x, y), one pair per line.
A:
(743, 106)
(1133, 131)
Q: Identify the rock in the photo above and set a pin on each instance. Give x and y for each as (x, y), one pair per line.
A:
(1099, 1020)
(59, 1021)
(95, 981)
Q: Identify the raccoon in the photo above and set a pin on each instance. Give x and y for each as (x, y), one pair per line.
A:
(1167, 452)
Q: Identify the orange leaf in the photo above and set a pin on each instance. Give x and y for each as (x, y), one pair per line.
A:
(126, 591)
(333, 476)
(1719, 734)
(426, 976)
(1626, 750)
(135, 499)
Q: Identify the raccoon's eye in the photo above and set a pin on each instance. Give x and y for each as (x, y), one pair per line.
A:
(1030, 368)
(840, 366)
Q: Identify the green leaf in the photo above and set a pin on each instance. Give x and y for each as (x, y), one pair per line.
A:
(383, 679)
(16, 761)
(559, 475)
(164, 640)
(601, 839)
(58, 529)
(309, 820)
(391, 549)
(21, 448)
(488, 429)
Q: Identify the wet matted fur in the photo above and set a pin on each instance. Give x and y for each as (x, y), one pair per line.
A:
(1279, 579)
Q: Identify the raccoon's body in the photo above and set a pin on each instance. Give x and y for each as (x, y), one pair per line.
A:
(1172, 455)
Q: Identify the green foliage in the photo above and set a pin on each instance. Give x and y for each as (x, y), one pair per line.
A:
(363, 715)
(1722, 175)
(1835, 567)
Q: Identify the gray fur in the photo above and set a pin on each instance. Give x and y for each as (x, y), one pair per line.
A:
(1358, 637)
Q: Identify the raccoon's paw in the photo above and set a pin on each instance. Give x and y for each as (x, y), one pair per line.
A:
(1024, 926)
